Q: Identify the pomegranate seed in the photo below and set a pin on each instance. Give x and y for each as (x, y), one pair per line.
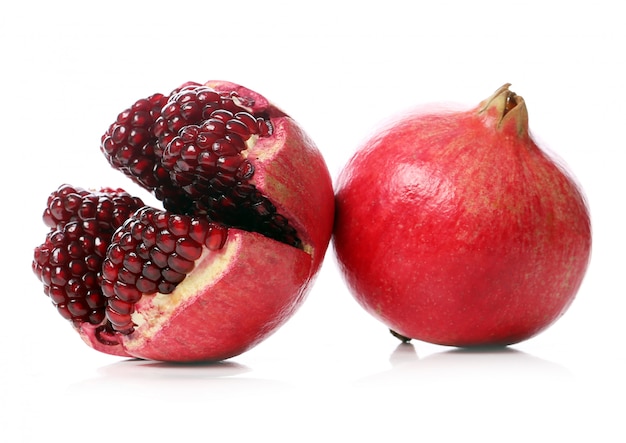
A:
(151, 271)
(215, 238)
(191, 111)
(249, 120)
(224, 148)
(245, 170)
(126, 292)
(178, 225)
(235, 126)
(223, 115)
(179, 264)
(166, 241)
(158, 257)
(64, 311)
(94, 299)
(133, 263)
(146, 286)
(78, 308)
(188, 248)
(118, 320)
(121, 307)
(214, 126)
(166, 287)
(265, 127)
(172, 277)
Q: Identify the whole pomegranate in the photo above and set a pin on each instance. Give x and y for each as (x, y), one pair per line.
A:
(247, 218)
(455, 228)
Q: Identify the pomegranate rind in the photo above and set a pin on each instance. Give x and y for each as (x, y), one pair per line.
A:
(308, 202)
(233, 299)
(456, 229)
(291, 171)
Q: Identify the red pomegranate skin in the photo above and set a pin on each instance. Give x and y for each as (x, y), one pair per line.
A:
(455, 228)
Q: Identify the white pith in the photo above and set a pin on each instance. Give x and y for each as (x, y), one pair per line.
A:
(153, 311)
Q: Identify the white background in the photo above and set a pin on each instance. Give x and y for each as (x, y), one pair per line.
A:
(332, 373)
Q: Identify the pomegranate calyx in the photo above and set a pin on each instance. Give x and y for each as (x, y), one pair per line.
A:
(505, 109)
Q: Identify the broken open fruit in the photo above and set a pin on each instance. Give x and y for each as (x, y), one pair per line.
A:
(247, 216)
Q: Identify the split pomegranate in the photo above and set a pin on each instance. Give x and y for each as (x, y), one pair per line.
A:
(248, 213)
(455, 228)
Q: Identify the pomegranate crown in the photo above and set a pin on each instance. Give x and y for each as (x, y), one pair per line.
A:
(505, 108)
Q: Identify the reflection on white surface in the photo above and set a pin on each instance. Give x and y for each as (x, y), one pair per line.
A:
(498, 362)
(497, 394)
(498, 374)
(371, 393)
(171, 381)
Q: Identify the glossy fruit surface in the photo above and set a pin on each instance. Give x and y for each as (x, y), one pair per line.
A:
(455, 228)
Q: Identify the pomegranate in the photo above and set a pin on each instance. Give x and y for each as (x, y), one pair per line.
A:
(455, 228)
(247, 217)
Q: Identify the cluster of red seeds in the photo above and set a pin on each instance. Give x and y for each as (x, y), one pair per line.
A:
(152, 252)
(106, 249)
(69, 262)
(189, 149)
(194, 103)
(131, 147)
